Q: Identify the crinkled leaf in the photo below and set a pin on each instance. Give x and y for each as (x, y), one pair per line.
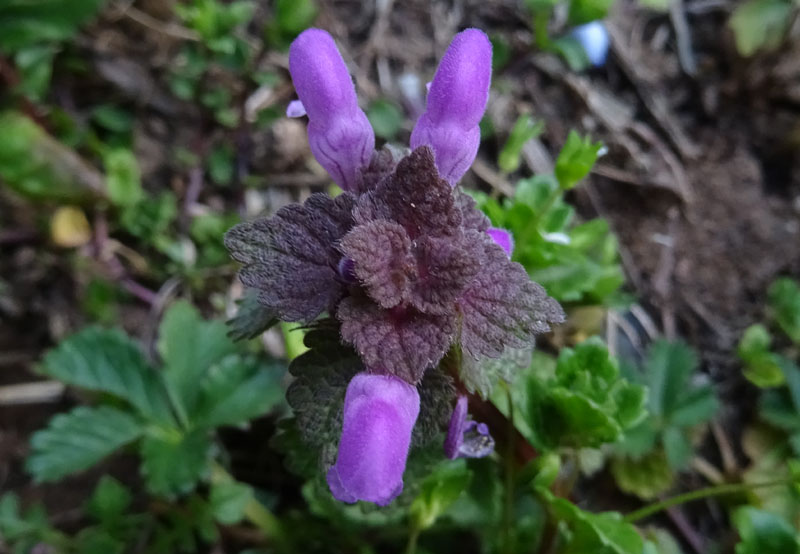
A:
(108, 361)
(173, 462)
(381, 252)
(502, 307)
(77, 440)
(471, 217)
(401, 342)
(228, 501)
(763, 532)
(322, 374)
(292, 258)
(480, 376)
(252, 318)
(436, 395)
(647, 477)
(562, 417)
(189, 346)
(413, 196)
(237, 390)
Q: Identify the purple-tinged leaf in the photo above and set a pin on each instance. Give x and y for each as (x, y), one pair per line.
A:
(400, 341)
(292, 259)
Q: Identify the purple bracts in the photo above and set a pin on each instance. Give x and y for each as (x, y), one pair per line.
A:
(340, 136)
(456, 102)
(379, 414)
(503, 238)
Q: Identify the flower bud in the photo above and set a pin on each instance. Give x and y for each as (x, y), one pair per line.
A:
(503, 238)
(456, 102)
(339, 133)
(379, 414)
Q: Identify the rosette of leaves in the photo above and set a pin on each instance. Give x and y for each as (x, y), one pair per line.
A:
(407, 272)
(575, 262)
(167, 414)
(678, 401)
(586, 403)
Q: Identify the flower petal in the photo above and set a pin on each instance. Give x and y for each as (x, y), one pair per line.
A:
(339, 133)
(379, 414)
(503, 238)
(456, 102)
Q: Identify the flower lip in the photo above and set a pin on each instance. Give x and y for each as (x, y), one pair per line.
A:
(379, 414)
(503, 238)
(466, 439)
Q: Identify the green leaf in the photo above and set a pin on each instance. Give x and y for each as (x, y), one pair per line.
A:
(385, 118)
(760, 25)
(109, 501)
(108, 361)
(35, 66)
(439, 490)
(229, 500)
(23, 22)
(189, 346)
(762, 532)
(784, 299)
(436, 395)
(524, 130)
(294, 16)
(123, 177)
(647, 476)
(173, 463)
(575, 159)
(251, 318)
(667, 370)
(220, 164)
(237, 390)
(598, 533)
(586, 11)
(697, 406)
(677, 447)
(14, 524)
(112, 118)
(77, 440)
(589, 403)
(321, 377)
(573, 52)
(762, 367)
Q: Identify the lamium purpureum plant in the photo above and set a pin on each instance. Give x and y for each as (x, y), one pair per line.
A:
(420, 291)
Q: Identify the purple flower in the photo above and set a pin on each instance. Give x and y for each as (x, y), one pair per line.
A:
(339, 133)
(466, 439)
(503, 238)
(456, 102)
(379, 414)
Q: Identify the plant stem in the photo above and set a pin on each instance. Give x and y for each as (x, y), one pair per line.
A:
(255, 512)
(708, 492)
(411, 547)
(508, 509)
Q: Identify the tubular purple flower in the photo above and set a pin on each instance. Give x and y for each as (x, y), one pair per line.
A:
(456, 101)
(379, 414)
(339, 134)
(466, 439)
(503, 238)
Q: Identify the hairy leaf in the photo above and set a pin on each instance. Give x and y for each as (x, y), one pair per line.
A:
(413, 196)
(436, 396)
(292, 258)
(481, 375)
(401, 341)
(108, 361)
(502, 307)
(381, 251)
(321, 377)
(77, 440)
(252, 318)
